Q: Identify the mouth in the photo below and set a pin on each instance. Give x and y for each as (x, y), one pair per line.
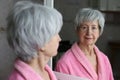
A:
(88, 38)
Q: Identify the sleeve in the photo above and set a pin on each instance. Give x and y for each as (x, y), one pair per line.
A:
(109, 68)
(16, 76)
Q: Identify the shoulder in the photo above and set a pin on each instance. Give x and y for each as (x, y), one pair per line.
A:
(104, 56)
(100, 53)
(66, 56)
(15, 75)
(66, 60)
(63, 63)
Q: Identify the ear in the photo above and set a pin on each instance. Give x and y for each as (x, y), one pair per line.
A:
(42, 49)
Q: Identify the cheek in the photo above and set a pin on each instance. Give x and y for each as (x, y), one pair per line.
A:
(55, 45)
(80, 35)
(97, 36)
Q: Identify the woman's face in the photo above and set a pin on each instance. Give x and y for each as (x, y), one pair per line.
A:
(50, 49)
(88, 32)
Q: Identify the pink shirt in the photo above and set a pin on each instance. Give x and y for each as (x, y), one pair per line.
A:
(23, 71)
(74, 62)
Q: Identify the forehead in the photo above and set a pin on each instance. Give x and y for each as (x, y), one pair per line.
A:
(90, 22)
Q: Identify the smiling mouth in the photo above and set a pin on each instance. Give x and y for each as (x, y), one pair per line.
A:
(88, 38)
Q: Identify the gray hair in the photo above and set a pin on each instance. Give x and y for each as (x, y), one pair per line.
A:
(87, 14)
(30, 26)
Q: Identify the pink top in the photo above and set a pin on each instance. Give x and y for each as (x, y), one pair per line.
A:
(74, 62)
(23, 71)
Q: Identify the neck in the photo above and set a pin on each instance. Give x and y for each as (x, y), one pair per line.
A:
(87, 49)
(39, 63)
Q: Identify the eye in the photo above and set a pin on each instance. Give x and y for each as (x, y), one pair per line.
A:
(83, 27)
(94, 28)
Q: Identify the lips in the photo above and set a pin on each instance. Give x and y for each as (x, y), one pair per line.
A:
(88, 38)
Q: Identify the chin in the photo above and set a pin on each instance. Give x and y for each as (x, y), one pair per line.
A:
(89, 43)
(55, 53)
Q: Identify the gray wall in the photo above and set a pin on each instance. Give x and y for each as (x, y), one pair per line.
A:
(6, 55)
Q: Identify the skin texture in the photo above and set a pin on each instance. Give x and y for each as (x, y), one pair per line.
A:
(88, 33)
(50, 49)
(45, 53)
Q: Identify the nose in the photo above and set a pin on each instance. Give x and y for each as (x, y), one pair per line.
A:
(89, 31)
(59, 38)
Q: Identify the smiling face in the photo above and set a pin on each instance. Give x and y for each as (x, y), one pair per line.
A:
(88, 33)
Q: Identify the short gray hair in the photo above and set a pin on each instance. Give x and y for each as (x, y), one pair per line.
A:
(30, 26)
(88, 14)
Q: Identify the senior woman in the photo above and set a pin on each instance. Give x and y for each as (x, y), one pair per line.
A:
(33, 34)
(84, 59)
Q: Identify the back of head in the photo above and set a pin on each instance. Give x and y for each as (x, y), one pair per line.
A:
(30, 26)
(88, 14)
